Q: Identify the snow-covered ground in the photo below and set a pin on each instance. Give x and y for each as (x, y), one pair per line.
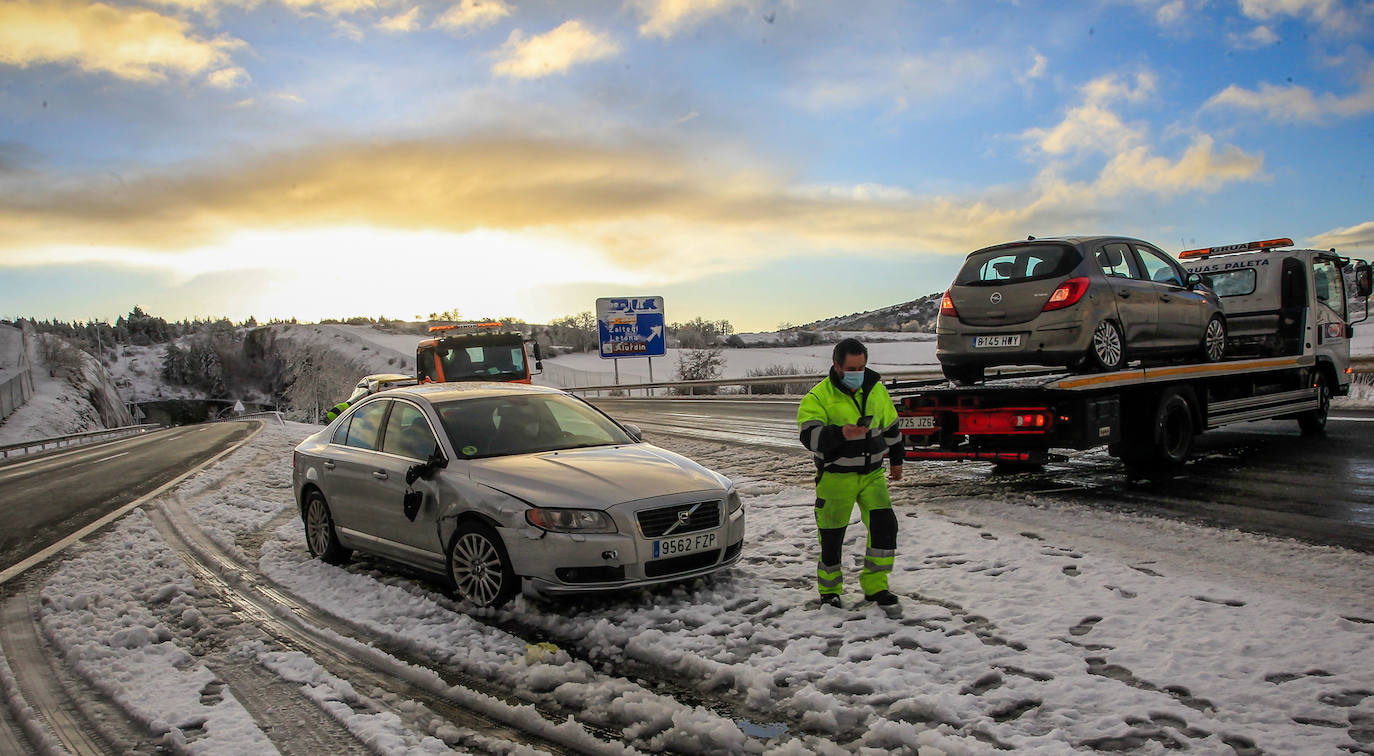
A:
(1032, 625)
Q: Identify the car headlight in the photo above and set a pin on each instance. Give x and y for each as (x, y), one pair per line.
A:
(570, 520)
(733, 503)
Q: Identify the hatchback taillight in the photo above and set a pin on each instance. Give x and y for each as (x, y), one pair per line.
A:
(947, 307)
(1067, 294)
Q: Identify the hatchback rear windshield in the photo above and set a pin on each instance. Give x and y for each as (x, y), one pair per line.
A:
(1004, 265)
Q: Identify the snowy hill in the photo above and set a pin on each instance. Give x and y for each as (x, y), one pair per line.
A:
(916, 315)
(73, 393)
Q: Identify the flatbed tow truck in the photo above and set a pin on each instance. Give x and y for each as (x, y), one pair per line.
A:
(1293, 302)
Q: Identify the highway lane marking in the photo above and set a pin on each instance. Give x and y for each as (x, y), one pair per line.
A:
(102, 459)
(1352, 419)
(5, 469)
(18, 569)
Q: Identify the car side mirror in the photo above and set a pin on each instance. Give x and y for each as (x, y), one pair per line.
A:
(426, 469)
(1196, 281)
(634, 431)
(1364, 279)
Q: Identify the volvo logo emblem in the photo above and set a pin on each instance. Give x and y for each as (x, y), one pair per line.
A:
(996, 297)
(684, 516)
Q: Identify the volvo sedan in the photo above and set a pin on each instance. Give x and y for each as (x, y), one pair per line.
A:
(502, 487)
(1082, 302)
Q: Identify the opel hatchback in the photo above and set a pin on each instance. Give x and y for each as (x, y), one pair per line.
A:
(499, 486)
(1082, 302)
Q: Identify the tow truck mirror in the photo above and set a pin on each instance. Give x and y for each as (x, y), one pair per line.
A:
(538, 358)
(1364, 279)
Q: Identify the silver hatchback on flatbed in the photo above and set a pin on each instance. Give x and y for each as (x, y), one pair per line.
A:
(1082, 302)
(503, 485)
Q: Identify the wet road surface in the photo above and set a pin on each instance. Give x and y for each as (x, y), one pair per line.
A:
(43, 500)
(1261, 477)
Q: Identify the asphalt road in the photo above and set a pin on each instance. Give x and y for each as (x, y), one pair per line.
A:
(43, 500)
(1261, 477)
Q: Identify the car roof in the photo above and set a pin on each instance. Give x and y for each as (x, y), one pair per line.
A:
(1077, 241)
(443, 392)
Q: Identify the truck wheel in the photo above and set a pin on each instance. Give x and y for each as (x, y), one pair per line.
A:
(1107, 352)
(1314, 421)
(479, 568)
(1213, 340)
(963, 375)
(1167, 441)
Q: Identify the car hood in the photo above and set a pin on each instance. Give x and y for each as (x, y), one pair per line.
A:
(594, 478)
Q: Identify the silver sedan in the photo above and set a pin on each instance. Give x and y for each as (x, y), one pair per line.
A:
(506, 486)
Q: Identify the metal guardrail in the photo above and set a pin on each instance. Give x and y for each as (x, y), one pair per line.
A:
(74, 439)
(251, 415)
(766, 380)
(1359, 365)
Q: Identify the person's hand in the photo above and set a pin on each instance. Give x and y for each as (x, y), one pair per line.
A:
(894, 473)
(852, 432)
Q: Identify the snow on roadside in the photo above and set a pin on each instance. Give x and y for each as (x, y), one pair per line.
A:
(117, 610)
(1008, 636)
(1016, 635)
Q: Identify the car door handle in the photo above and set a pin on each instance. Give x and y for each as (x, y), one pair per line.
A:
(379, 474)
(328, 465)
(1124, 294)
(1165, 298)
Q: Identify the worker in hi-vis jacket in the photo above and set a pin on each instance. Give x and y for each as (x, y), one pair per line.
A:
(849, 423)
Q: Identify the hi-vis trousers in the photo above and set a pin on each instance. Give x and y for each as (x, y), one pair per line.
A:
(836, 494)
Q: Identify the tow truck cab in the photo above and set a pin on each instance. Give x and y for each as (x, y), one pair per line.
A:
(477, 352)
(1282, 301)
(1290, 315)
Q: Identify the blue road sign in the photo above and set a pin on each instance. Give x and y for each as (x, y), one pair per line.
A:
(631, 327)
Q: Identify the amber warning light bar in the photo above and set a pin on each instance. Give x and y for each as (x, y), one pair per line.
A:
(465, 328)
(1247, 246)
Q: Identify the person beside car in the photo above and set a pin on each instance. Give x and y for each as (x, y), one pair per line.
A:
(849, 423)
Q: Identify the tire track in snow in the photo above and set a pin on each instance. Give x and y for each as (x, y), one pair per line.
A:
(79, 721)
(463, 701)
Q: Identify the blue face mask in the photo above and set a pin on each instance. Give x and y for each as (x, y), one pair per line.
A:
(853, 379)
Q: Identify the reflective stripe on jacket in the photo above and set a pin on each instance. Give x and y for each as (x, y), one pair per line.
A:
(828, 406)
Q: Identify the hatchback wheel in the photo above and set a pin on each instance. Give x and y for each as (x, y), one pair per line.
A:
(1108, 349)
(320, 537)
(962, 375)
(479, 567)
(1214, 340)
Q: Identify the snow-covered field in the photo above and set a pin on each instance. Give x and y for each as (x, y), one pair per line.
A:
(1031, 625)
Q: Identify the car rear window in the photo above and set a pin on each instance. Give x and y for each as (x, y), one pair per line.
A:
(1004, 265)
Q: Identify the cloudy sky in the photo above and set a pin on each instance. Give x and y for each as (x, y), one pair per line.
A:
(763, 161)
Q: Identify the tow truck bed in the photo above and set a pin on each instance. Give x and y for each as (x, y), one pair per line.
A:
(1022, 416)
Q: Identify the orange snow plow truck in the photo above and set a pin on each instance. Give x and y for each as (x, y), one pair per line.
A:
(476, 352)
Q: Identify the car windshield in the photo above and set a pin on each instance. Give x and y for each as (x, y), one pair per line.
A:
(505, 425)
(1009, 265)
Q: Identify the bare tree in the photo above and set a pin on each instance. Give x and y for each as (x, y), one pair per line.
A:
(700, 365)
(317, 378)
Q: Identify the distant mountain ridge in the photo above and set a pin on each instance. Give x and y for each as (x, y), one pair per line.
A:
(917, 315)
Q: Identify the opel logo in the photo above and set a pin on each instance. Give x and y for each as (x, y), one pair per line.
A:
(996, 297)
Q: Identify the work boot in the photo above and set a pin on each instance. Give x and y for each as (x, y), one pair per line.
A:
(883, 598)
(830, 599)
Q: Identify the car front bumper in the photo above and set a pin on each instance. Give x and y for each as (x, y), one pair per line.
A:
(560, 563)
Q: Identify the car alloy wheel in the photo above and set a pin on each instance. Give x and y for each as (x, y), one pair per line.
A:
(1214, 341)
(480, 569)
(1107, 347)
(320, 537)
